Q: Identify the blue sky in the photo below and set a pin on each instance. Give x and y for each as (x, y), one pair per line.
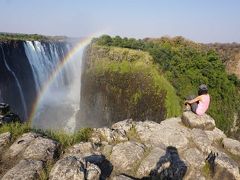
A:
(198, 20)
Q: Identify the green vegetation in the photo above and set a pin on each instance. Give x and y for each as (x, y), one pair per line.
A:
(133, 83)
(206, 170)
(28, 37)
(16, 129)
(65, 139)
(44, 174)
(187, 65)
(133, 135)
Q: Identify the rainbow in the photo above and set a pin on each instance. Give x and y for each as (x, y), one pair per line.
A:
(81, 44)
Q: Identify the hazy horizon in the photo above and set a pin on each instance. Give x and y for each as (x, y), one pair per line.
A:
(204, 22)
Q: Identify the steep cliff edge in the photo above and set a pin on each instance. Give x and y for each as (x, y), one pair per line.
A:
(127, 150)
(119, 83)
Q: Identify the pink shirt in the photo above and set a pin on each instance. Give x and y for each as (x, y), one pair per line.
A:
(203, 104)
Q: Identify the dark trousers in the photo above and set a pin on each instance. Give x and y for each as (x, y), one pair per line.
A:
(193, 105)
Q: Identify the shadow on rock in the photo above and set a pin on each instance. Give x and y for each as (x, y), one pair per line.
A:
(105, 165)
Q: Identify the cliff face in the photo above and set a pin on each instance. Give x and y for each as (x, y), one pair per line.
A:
(119, 83)
(127, 150)
(16, 72)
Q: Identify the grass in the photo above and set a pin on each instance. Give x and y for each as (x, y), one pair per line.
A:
(133, 135)
(16, 129)
(44, 174)
(206, 170)
(65, 139)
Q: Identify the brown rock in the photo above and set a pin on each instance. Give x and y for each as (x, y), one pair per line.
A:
(193, 120)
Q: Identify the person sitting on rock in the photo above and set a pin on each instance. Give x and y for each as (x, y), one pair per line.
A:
(199, 104)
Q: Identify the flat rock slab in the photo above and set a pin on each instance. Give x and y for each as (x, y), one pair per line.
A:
(170, 132)
(73, 167)
(25, 170)
(194, 157)
(125, 155)
(216, 135)
(4, 140)
(125, 125)
(41, 149)
(200, 139)
(81, 149)
(20, 144)
(232, 146)
(150, 162)
(193, 120)
(108, 135)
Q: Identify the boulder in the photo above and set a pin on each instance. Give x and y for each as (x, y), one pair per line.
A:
(81, 149)
(232, 146)
(41, 149)
(169, 133)
(150, 162)
(125, 125)
(101, 135)
(216, 135)
(193, 120)
(72, 167)
(125, 155)
(25, 169)
(200, 139)
(21, 144)
(194, 157)
(226, 168)
(4, 140)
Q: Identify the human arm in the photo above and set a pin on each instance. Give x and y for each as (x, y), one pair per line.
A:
(198, 98)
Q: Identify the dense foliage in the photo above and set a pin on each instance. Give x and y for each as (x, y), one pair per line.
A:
(187, 65)
(28, 37)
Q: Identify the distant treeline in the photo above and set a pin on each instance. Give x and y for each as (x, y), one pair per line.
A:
(29, 37)
(186, 65)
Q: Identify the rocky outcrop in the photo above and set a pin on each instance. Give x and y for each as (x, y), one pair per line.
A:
(192, 120)
(72, 167)
(149, 163)
(168, 133)
(126, 155)
(232, 146)
(25, 169)
(127, 150)
(21, 144)
(42, 149)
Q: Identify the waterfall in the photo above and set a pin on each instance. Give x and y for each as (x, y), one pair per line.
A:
(44, 61)
(17, 82)
(31, 65)
(60, 103)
